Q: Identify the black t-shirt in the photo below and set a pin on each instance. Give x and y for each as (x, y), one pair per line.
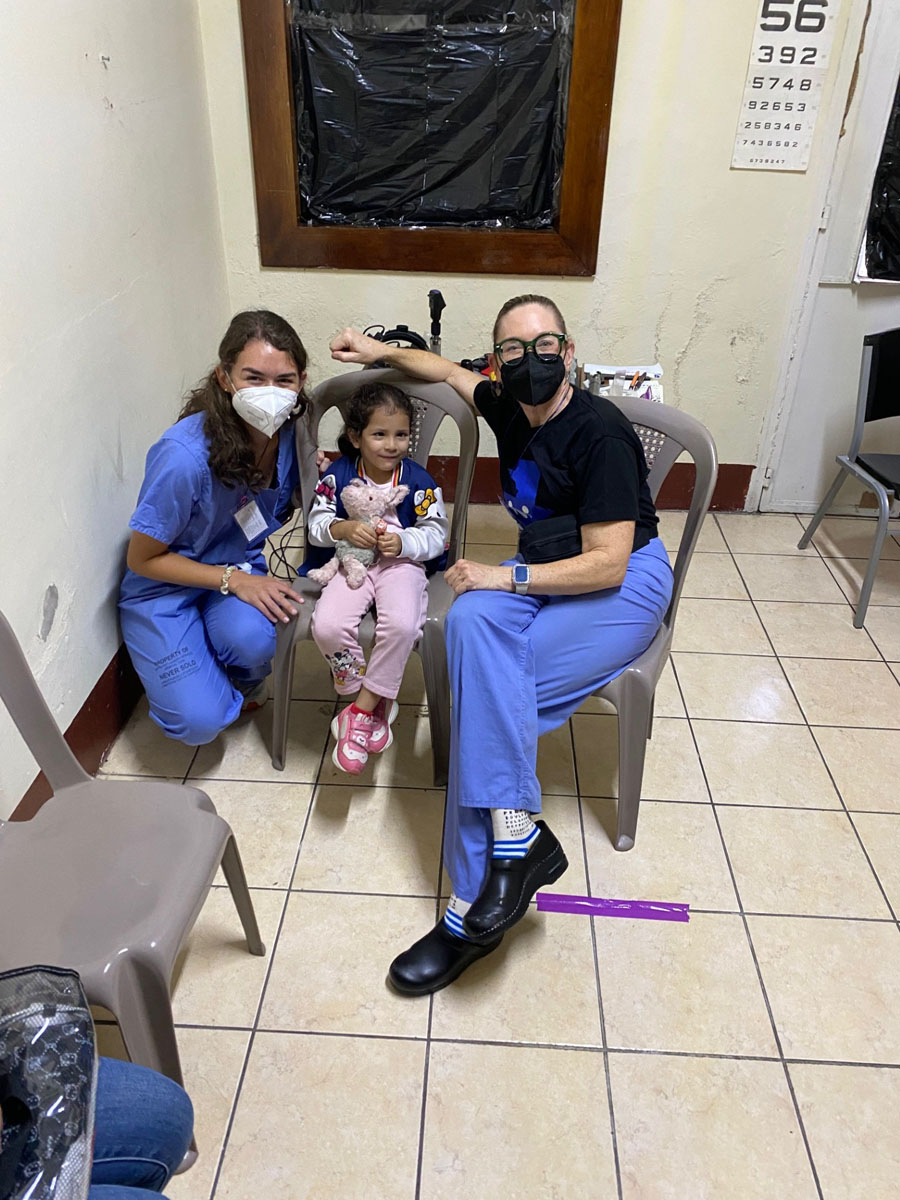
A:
(587, 460)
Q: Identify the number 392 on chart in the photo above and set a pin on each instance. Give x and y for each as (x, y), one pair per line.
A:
(788, 62)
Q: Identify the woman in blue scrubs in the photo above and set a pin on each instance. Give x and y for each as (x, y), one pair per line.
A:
(197, 605)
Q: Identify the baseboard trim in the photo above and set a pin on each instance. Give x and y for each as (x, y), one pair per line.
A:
(95, 728)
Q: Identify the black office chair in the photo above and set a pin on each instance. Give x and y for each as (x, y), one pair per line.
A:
(879, 398)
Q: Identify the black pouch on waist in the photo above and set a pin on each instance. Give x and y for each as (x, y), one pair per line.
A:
(551, 539)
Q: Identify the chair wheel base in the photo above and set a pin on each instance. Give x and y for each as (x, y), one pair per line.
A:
(624, 842)
(190, 1157)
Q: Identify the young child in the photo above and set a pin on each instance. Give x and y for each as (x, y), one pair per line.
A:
(410, 542)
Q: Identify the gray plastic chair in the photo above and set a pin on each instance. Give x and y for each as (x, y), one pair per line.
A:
(109, 876)
(878, 398)
(434, 401)
(664, 432)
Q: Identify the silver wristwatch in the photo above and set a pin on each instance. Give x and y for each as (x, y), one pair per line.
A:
(521, 578)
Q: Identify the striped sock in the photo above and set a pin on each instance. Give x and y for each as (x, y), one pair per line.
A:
(514, 831)
(455, 911)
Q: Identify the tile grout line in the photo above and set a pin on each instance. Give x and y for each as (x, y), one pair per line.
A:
(587, 875)
(752, 948)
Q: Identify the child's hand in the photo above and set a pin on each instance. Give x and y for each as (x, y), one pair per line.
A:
(390, 545)
(357, 533)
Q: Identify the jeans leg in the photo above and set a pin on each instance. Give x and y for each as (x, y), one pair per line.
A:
(143, 1127)
(106, 1191)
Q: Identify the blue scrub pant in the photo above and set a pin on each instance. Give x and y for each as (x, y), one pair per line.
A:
(142, 1130)
(190, 648)
(519, 667)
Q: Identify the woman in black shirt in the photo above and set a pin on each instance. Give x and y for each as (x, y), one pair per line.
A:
(528, 641)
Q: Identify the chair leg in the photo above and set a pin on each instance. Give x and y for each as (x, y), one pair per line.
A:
(282, 678)
(433, 653)
(865, 592)
(635, 712)
(652, 714)
(822, 509)
(142, 1006)
(233, 869)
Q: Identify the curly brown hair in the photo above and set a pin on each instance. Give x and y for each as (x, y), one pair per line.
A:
(232, 458)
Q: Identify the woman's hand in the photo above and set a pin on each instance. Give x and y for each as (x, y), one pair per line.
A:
(322, 461)
(468, 576)
(357, 533)
(390, 545)
(271, 596)
(351, 346)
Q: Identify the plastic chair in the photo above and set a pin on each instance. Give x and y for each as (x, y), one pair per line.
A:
(878, 398)
(664, 433)
(109, 876)
(433, 402)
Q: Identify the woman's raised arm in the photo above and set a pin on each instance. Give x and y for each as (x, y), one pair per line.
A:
(351, 346)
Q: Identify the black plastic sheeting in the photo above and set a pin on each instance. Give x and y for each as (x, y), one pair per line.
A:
(883, 229)
(431, 114)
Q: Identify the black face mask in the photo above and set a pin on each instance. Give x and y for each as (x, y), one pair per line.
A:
(532, 381)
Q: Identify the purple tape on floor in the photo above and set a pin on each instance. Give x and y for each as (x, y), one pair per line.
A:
(596, 906)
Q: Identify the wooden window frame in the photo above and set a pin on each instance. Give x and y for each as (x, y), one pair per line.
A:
(569, 248)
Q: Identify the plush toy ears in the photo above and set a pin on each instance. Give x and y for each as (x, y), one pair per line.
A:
(395, 495)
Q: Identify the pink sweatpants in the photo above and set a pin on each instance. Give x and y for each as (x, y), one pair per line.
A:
(396, 587)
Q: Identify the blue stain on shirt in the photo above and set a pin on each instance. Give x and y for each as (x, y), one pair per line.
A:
(522, 502)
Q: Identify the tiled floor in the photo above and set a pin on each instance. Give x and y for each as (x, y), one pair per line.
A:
(754, 1052)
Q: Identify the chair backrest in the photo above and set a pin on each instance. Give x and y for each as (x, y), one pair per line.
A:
(431, 403)
(878, 396)
(31, 716)
(665, 433)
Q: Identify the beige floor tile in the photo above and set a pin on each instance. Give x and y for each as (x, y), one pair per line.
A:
(372, 840)
(267, 820)
(321, 1117)
(762, 533)
(211, 1060)
(244, 750)
(786, 577)
(865, 764)
(849, 537)
(880, 833)
(719, 627)
(331, 964)
(845, 693)
(712, 576)
(683, 987)
(490, 552)
(736, 688)
(412, 689)
(883, 626)
(539, 986)
(668, 697)
(748, 762)
(566, 1151)
(671, 767)
(555, 764)
(815, 631)
(406, 763)
(677, 856)
(706, 1129)
(143, 749)
(832, 986)
(796, 862)
(490, 523)
(217, 981)
(671, 527)
(312, 678)
(850, 1117)
(850, 572)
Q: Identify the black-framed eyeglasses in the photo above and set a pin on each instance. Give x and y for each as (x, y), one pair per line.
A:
(546, 346)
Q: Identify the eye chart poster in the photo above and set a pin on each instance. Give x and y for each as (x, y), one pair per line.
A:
(788, 63)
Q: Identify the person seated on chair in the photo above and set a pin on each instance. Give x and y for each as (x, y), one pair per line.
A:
(527, 644)
(197, 606)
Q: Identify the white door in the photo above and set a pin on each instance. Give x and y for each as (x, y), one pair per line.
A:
(812, 420)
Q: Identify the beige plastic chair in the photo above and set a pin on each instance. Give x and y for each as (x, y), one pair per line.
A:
(109, 876)
(664, 432)
(434, 401)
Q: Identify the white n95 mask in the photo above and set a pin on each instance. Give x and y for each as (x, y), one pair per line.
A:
(265, 408)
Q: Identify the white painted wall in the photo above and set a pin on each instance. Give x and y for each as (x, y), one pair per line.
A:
(697, 262)
(113, 293)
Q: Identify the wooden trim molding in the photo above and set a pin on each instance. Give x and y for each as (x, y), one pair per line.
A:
(570, 248)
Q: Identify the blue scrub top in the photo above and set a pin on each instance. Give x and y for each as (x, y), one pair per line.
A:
(184, 505)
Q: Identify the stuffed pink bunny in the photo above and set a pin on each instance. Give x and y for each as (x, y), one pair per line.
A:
(363, 503)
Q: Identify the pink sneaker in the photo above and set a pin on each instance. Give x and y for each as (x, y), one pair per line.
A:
(351, 731)
(380, 736)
